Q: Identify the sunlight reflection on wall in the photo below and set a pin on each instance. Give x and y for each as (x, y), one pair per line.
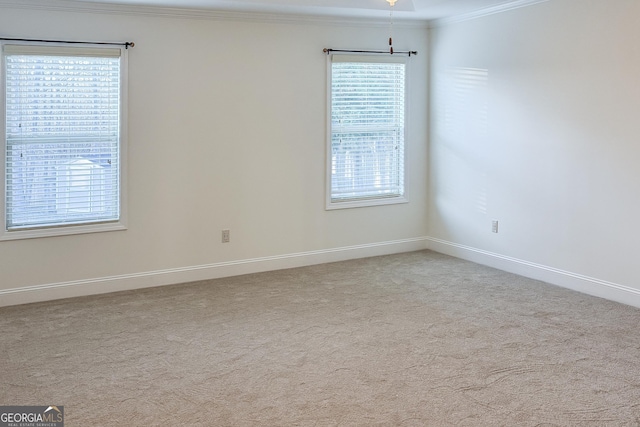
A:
(461, 130)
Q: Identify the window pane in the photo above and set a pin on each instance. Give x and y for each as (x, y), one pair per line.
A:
(63, 138)
(367, 130)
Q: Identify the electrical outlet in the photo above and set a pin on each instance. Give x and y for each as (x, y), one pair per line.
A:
(494, 226)
(226, 236)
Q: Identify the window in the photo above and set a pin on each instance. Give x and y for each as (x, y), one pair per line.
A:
(63, 154)
(366, 148)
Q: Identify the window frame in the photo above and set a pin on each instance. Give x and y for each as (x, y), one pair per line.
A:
(78, 228)
(330, 203)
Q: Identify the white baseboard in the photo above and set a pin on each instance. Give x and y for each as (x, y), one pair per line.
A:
(577, 282)
(172, 276)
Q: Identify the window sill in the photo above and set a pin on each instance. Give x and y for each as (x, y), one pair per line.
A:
(61, 231)
(362, 203)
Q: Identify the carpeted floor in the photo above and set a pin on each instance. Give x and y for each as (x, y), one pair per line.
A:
(415, 339)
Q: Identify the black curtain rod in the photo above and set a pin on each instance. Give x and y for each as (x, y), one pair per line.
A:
(126, 44)
(408, 52)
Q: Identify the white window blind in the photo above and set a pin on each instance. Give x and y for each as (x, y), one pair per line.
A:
(62, 135)
(367, 129)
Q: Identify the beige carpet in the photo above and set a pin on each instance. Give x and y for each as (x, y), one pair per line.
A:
(416, 339)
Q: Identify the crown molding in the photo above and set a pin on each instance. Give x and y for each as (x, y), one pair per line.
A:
(201, 14)
(492, 10)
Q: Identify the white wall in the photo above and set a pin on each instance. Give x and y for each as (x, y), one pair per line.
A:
(535, 124)
(226, 130)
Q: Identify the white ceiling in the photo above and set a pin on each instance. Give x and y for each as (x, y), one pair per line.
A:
(403, 9)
